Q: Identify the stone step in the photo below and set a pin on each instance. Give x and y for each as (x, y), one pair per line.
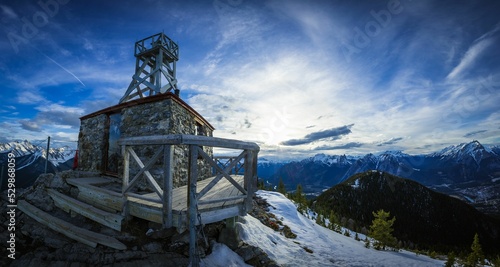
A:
(69, 204)
(77, 233)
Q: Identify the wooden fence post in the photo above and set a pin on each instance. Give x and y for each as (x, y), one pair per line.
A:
(192, 204)
(168, 159)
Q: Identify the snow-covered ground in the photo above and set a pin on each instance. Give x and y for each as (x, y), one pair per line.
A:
(328, 248)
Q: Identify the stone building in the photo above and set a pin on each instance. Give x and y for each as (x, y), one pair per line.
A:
(160, 114)
(148, 107)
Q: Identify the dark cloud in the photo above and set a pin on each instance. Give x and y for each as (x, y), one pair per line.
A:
(344, 146)
(247, 124)
(331, 134)
(30, 125)
(391, 141)
(474, 133)
(59, 117)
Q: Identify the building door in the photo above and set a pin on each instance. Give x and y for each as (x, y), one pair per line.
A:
(114, 154)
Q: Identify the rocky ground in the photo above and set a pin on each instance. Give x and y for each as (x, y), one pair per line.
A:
(147, 243)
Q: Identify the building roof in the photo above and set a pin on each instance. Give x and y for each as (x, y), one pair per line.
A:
(149, 99)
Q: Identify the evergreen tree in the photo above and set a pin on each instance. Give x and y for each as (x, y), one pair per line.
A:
(476, 256)
(300, 199)
(367, 242)
(381, 229)
(318, 219)
(281, 187)
(333, 220)
(260, 185)
(496, 262)
(450, 262)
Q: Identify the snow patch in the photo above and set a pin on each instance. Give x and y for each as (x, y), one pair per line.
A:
(328, 248)
(222, 256)
(356, 184)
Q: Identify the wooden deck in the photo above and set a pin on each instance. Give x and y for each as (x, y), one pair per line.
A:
(98, 192)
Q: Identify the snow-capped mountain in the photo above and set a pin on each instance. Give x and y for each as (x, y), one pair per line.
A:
(30, 160)
(458, 167)
(26, 148)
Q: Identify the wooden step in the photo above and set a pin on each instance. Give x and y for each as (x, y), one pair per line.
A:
(68, 204)
(89, 180)
(91, 193)
(77, 233)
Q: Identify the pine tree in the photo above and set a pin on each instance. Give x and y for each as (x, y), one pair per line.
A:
(496, 262)
(381, 229)
(367, 242)
(333, 220)
(281, 187)
(318, 219)
(300, 199)
(476, 256)
(451, 260)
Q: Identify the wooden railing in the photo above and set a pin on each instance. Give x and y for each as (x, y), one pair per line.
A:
(246, 160)
(225, 161)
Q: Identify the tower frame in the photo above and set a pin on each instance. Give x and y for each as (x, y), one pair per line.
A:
(155, 67)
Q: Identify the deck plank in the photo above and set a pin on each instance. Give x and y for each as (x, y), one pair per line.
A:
(91, 190)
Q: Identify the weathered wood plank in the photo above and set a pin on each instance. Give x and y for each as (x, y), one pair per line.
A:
(88, 181)
(223, 172)
(66, 203)
(192, 201)
(227, 176)
(184, 139)
(144, 170)
(218, 200)
(100, 197)
(168, 161)
(126, 169)
(80, 234)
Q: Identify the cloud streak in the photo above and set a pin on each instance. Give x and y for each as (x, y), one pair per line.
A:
(340, 147)
(330, 134)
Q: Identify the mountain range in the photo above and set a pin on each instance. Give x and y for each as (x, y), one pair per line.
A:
(30, 161)
(469, 171)
(424, 218)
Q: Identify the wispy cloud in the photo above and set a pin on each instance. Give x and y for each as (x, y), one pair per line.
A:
(474, 133)
(338, 147)
(475, 50)
(30, 97)
(8, 12)
(390, 142)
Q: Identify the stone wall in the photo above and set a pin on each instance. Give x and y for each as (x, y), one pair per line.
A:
(166, 116)
(91, 143)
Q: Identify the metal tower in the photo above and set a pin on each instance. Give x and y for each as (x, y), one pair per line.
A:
(156, 57)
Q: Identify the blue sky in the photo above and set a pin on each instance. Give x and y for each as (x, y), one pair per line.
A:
(298, 77)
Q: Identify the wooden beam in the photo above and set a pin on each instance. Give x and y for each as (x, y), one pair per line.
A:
(168, 161)
(144, 170)
(211, 201)
(184, 139)
(126, 169)
(80, 234)
(68, 204)
(223, 173)
(249, 175)
(192, 203)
